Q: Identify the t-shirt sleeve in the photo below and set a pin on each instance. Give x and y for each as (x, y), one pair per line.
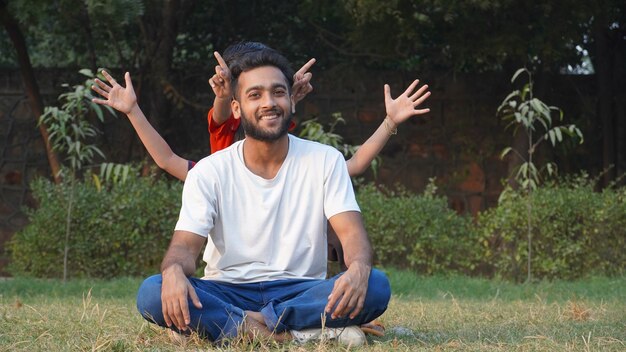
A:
(221, 136)
(199, 204)
(338, 191)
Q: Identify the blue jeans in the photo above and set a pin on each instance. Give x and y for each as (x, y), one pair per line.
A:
(284, 304)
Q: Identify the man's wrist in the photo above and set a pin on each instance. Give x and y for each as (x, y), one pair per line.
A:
(221, 100)
(361, 264)
(172, 269)
(134, 110)
(390, 126)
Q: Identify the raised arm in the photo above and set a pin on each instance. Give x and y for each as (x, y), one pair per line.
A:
(220, 83)
(398, 110)
(124, 100)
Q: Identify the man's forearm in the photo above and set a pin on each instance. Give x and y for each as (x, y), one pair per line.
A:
(357, 250)
(176, 257)
(183, 251)
(221, 110)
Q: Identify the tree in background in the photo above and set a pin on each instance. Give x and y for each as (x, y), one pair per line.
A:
(30, 82)
(168, 39)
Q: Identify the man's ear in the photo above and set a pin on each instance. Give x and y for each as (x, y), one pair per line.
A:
(293, 105)
(236, 109)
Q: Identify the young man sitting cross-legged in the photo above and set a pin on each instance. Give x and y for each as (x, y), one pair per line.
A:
(264, 202)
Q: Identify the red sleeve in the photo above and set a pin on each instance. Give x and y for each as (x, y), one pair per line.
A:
(222, 136)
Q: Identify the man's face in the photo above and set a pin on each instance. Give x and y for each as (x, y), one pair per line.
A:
(263, 103)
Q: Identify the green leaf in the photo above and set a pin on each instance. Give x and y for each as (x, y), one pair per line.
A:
(505, 151)
(552, 137)
(559, 135)
(517, 73)
(86, 72)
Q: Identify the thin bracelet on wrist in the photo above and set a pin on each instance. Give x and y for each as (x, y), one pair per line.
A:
(391, 131)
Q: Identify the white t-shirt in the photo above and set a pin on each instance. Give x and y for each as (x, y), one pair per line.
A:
(266, 229)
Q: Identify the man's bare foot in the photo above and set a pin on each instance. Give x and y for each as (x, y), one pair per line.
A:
(254, 326)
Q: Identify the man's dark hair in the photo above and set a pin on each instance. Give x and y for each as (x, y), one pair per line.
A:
(263, 56)
(235, 51)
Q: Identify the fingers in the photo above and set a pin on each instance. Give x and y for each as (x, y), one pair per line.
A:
(100, 101)
(387, 94)
(109, 78)
(183, 314)
(223, 74)
(304, 68)
(129, 82)
(302, 85)
(421, 99)
(411, 87)
(419, 92)
(332, 299)
(166, 313)
(101, 88)
(359, 307)
(216, 80)
(220, 60)
(194, 297)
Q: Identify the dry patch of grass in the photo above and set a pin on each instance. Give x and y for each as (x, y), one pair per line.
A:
(447, 321)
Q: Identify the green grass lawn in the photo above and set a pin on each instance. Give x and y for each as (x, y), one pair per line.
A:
(426, 313)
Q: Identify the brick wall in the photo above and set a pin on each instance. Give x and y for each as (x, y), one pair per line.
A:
(458, 142)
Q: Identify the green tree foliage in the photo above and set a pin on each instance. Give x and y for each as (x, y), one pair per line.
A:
(74, 32)
(522, 110)
(71, 135)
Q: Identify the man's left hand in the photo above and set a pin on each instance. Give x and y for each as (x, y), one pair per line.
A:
(348, 295)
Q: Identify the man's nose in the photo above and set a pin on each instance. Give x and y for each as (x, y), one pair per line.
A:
(269, 101)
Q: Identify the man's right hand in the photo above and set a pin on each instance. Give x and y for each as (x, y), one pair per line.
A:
(220, 82)
(302, 82)
(175, 290)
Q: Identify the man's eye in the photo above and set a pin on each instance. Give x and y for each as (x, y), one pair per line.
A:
(254, 95)
(280, 93)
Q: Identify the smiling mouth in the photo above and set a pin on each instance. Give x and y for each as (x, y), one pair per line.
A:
(269, 117)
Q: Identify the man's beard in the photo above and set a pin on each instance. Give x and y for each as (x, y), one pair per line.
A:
(253, 130)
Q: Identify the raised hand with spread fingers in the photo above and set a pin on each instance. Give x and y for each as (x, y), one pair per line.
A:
(406, 104)
(122, 99)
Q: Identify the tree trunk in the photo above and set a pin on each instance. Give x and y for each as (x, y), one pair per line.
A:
(159, 29)
(30, 84)
(619, 82)
(603, 65)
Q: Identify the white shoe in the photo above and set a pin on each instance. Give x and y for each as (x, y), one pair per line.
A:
(348, 336)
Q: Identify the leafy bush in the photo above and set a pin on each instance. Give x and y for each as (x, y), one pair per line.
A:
(575, 232)
(418, 232)
(122, 230)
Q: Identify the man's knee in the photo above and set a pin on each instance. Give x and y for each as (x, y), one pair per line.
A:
(149, 299)
(379, 289)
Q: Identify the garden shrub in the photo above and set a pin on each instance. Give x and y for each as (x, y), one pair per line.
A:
(121, 230)
(418, 232)
(575, 232)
